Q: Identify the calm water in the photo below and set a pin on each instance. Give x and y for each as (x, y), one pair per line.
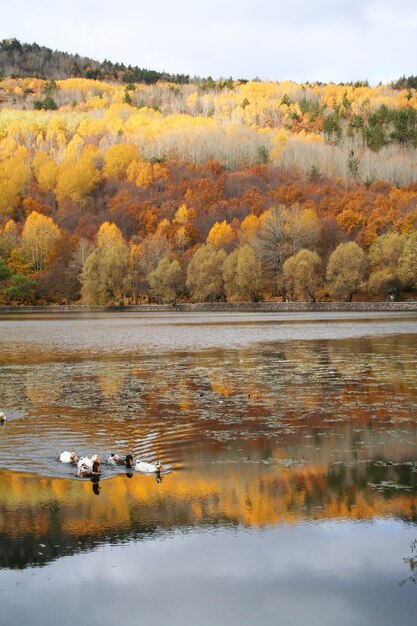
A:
(289, 488)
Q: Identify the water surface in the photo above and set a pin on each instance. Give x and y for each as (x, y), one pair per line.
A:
(288, 493)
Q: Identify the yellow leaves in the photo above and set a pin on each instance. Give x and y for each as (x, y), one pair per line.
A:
(136, 253)
(249, 228)
(74, 147)
(192, 100)
(90, 127)
(105, 272)
(109, 235)
(76, 179)
(48, 175)
(84, 85)
(118, 158)
(184, 215)
(143, 173)
(221, 235)
(8, 147)
(9, 237)
(46, 171)
(14, 177)
(279, 143)
(182, 238)
(38, 237)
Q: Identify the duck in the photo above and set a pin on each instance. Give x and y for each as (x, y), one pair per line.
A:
(3, 418)
(116, 459)
(148, 468)
(68, 457)
(85, 471)
(88, 461)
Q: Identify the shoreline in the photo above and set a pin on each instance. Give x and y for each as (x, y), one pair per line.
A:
(220, 307)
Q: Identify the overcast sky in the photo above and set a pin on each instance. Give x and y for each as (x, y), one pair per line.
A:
(327, 40)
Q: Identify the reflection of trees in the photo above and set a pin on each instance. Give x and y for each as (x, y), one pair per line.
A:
(285, 379)
(111, 377)
(41, 388)
(373, 360)
(41, 519)
(317, 419)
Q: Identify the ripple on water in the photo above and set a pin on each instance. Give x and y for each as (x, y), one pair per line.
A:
(65, 387)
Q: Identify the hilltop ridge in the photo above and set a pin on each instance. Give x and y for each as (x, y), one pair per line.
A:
(24, 59)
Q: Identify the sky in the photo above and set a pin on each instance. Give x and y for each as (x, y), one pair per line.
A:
(300, 40)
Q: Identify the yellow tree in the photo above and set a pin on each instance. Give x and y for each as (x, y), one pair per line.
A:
(229, 271)
(242, 274)
(104, 277)
(249, 273)
(204, 274)
(76, 179)
(9, 238)
(303, 275)
(184, 215)
(144, 173)
(220, 235)
(408, 261)
(302, 227)
(39, 235)
(137, 271)
(118, 158)
(249, 229)
(46, 172)
(14, 178)
(166, 281)
(154, 248)
(384, 255)
(346, 271)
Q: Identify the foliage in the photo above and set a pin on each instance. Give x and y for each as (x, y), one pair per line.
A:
(5, 271)
(242, 274)
(105, 272)
(303, 275)
(166, 281)
(408, 261)
(31, 59)
(38, 238)
(21, 289)
(256, 171)
(204, 275)
(346, 271)
(384, 255)
(220, 235)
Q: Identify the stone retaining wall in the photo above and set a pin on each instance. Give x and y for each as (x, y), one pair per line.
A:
(237, 307)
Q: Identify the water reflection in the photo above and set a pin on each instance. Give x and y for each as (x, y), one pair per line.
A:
(316, 401)
(62, 513)
(255, 437)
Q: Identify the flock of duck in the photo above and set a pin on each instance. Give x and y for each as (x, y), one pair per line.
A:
(90, 466)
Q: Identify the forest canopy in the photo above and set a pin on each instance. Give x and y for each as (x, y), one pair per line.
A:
(200, 189)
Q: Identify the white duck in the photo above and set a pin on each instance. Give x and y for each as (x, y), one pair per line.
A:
(85, 471)
(147, 468)
(68, 457)
(88, 461)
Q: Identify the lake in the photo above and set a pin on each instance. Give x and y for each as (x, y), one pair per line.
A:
(288, 492)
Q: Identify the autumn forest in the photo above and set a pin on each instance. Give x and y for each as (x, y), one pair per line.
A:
(119, 185)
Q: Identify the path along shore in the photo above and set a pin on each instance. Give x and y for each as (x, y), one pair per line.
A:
(220, 307)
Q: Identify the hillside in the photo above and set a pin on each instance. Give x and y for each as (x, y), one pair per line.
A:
(206, 190)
